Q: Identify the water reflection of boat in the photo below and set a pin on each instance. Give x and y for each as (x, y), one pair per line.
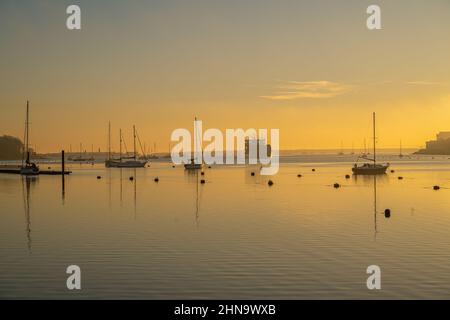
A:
(28, 168)
(386, 213)
(26, 191)
(371, 168)
(193, 178)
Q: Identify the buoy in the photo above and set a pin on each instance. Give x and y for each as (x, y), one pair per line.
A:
(131, 178)
(98, 177)
(252, 174)
(400, 178)
(392, 171)
(156, 179)
(202, 181)
(270, 182)
(313, 170)
(347, 176)
(336, 185)
(209, 167)
(436, 187)
(49, 168)
(173, 166)
(387, 213)
(299, 176)
(202, 173)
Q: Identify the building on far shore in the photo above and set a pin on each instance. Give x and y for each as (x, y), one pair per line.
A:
(440, 146)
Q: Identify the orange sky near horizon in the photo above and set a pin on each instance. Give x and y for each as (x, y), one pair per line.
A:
(311, 69)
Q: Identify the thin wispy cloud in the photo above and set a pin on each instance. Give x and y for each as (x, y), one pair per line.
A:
(427, 83)
(291, 90)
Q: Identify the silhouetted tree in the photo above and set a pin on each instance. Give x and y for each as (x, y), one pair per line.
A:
(10, 148)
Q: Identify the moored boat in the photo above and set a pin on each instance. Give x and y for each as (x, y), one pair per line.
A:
(28, 168)
(371, 168)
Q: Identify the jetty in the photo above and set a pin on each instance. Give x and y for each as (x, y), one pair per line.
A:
(16, 170)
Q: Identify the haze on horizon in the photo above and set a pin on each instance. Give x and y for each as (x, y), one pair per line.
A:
(310, 68)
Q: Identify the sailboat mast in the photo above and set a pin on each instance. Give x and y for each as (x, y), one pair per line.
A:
(109, 140)
(120, 148)
(27, 150)
(134, 141)
(374, 139)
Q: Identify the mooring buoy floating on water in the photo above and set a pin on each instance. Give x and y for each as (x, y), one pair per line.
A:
(131, 178)
(299, 176)
(202, 173)
(436, 187)
(336, 185)
(156, 179)
(209, 167)
(173, 166)
(400, 178)
(202, 181)
(99, 177)
(387, 213)
(392, 171)
(313, 169)
(347, 176)
(252, 174)
(270, 182)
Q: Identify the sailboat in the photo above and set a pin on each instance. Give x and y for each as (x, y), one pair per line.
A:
(400, 155)
(195, 164)
(371, 168)
(127, 162)
(80, 157)
(365, 153)
(28, 168)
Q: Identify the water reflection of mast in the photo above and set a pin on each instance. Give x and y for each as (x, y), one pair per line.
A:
(135, 198)
(109, 187)
(375, 204)
(26, 202)
(196, 200)
(121, 197)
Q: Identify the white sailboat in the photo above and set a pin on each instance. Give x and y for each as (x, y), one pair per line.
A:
(195, 164)
(28, 168)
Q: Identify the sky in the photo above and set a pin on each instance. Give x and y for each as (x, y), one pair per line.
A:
(311, 69)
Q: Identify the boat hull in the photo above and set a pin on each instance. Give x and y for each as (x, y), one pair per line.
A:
(193, 166)
(370, 169)
(125, 164)
(29, 171)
